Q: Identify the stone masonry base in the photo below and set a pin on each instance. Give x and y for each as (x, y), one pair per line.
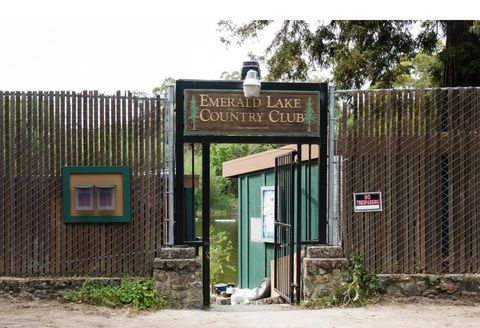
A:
(47, 287)
(430, 285)
(177, 274)
(323, 269)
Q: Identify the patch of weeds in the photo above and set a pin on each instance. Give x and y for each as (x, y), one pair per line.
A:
(362, 284)
(138, 293)
(361, 288)
(321, 302)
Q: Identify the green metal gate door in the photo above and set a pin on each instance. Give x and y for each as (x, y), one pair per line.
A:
(284, 226)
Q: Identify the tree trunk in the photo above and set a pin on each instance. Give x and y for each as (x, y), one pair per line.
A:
(461, 56)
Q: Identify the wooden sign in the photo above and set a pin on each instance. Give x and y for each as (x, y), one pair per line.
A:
(228, 112)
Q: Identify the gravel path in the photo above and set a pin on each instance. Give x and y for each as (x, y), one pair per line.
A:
(415, 313)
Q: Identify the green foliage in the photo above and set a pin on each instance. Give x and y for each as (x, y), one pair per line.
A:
(138, 293)
(162, 89)
(322, 302)
(358, 51)
(235, 75)
(220, 249)
(362, 285)
(475, 28)
(222, 195)
(222, 190)
(243, 32)
(222, 198)
(365, 53)
(422, 71)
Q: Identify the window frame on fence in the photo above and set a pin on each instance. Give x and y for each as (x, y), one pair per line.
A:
(124, 171)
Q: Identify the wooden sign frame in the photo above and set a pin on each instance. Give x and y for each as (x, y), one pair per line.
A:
(229, 113)
(252, 138)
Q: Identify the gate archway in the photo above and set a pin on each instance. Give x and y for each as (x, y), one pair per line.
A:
(216, 112)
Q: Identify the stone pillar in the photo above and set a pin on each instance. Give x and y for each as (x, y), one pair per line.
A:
(323, 269)
(177, 275)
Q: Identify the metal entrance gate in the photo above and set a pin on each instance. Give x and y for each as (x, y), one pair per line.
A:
(284, 241)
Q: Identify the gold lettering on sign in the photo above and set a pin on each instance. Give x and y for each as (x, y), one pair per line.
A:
(206, 115)
(283, 103)
(300, 118)
(214, 116)
(229, 102)
(277, 116)
(202, 117)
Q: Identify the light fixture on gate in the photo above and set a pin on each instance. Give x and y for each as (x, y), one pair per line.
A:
(251, 84)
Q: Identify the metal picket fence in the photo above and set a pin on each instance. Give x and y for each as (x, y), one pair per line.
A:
(41, 132)
(421, 149)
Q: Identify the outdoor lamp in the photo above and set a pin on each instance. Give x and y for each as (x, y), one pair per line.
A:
(251, 85)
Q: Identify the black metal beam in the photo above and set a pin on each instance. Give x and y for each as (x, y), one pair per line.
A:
(322, 167)
(291, 196)
(238, 84)
(275, 227)
(206, 222)
(179, 226)
(193, 197)
(299, 221)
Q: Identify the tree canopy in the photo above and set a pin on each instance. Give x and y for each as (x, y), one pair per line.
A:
(162, 89)
(367, 53)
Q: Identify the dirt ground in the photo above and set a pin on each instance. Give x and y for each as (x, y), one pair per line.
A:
(408, 313)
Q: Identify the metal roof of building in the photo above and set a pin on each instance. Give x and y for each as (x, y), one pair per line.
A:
(262, 161)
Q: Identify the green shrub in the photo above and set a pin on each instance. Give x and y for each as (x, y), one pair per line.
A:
(138, 293)
(220, 249)
(362, 285)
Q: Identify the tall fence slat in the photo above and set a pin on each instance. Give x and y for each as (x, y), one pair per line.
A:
(42, 132)
(2, 185)
(420, 149)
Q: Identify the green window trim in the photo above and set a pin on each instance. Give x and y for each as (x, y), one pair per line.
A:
(127, 211)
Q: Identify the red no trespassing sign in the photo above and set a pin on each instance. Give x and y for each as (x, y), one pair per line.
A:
(367, 201)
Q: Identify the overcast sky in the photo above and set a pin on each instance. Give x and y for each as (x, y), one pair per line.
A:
(135, 45)
(112, 55)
